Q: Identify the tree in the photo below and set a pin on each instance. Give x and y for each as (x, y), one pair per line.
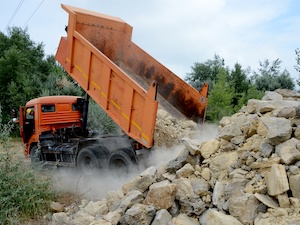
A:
(205, 72)
(220, 98)
(23, 69)
(269, 77)
(297, 66)
(100, 121)
(59, 84)
(238, 78)
(26, 73)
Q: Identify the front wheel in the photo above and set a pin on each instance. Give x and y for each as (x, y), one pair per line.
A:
(35, 155)
(87, 161)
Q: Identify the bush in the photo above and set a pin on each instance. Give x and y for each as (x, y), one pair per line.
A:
(24, 194)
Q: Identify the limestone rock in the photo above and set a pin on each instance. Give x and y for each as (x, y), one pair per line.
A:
(244, 207)
(277, 182)
(266, 149)
(162, 217)
(185, 171)
(140, 183)
(288, 112)
(82, 218)
(175, 164)
(192, 205)
(250, 126)
(223, 161)
(213, 217)
(184, 188)
(95, 208)
(230, 131)
(161, 195)
(286, 93)
(113, 197)
(272, 95)
(191, 145)
(112, 217)
(200, 186)
(284, 201)
(209, 147)
(288, 151)
(267, 200)
(150, 171)
(100, 222)
(127, 201)
(278, 129)
(183, 219)
(140, 214)
(295, 185)
(218, 195)
(205, 173)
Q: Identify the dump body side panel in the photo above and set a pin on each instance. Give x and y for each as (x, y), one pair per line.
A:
(112, 37)
(127, 103)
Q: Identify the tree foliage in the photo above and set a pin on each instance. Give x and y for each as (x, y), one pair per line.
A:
(205, 72)
(270, 77)
(230, 89)
(220, 97)
(26, 73)
(297, 66)
(23, 69)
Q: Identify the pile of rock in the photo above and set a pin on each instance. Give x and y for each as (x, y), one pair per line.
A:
(169, 131)
(249, 174)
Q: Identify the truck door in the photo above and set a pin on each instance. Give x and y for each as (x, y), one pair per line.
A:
(21, 122)
(28, 128)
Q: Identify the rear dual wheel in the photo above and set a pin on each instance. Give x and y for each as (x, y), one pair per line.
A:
(121, 163)
(87, 161)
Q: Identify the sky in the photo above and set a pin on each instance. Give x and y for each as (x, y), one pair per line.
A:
(179, 33)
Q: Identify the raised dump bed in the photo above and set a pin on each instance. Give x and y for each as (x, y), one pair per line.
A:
(122, 78)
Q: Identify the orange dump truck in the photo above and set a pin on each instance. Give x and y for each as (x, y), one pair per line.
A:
(125, 81)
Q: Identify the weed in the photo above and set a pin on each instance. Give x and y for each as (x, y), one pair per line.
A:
(24, 193)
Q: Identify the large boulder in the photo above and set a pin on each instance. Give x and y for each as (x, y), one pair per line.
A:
(161, 195)
(140, 214)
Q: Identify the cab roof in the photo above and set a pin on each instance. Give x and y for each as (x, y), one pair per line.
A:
(53, 99)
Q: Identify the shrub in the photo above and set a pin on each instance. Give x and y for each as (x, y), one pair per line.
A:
(24, 194)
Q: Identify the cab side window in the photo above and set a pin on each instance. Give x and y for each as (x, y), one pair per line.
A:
(48, 108)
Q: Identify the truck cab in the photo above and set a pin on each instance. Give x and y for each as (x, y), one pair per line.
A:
(43, 117)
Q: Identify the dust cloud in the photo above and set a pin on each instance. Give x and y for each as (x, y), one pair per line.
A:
(92, 187)
(96, 186)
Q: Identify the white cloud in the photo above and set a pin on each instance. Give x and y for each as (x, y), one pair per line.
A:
(178, 33)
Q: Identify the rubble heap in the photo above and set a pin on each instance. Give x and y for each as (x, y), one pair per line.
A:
(248, 174)
(169, 131)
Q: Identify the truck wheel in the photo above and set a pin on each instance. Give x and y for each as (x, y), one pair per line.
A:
(35, 155)
(121, 163)
(87, 161)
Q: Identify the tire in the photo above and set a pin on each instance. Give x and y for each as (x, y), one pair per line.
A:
(35, 155)
(121, 163)
(87, 161)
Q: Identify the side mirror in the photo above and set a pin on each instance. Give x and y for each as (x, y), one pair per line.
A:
(14, 116)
